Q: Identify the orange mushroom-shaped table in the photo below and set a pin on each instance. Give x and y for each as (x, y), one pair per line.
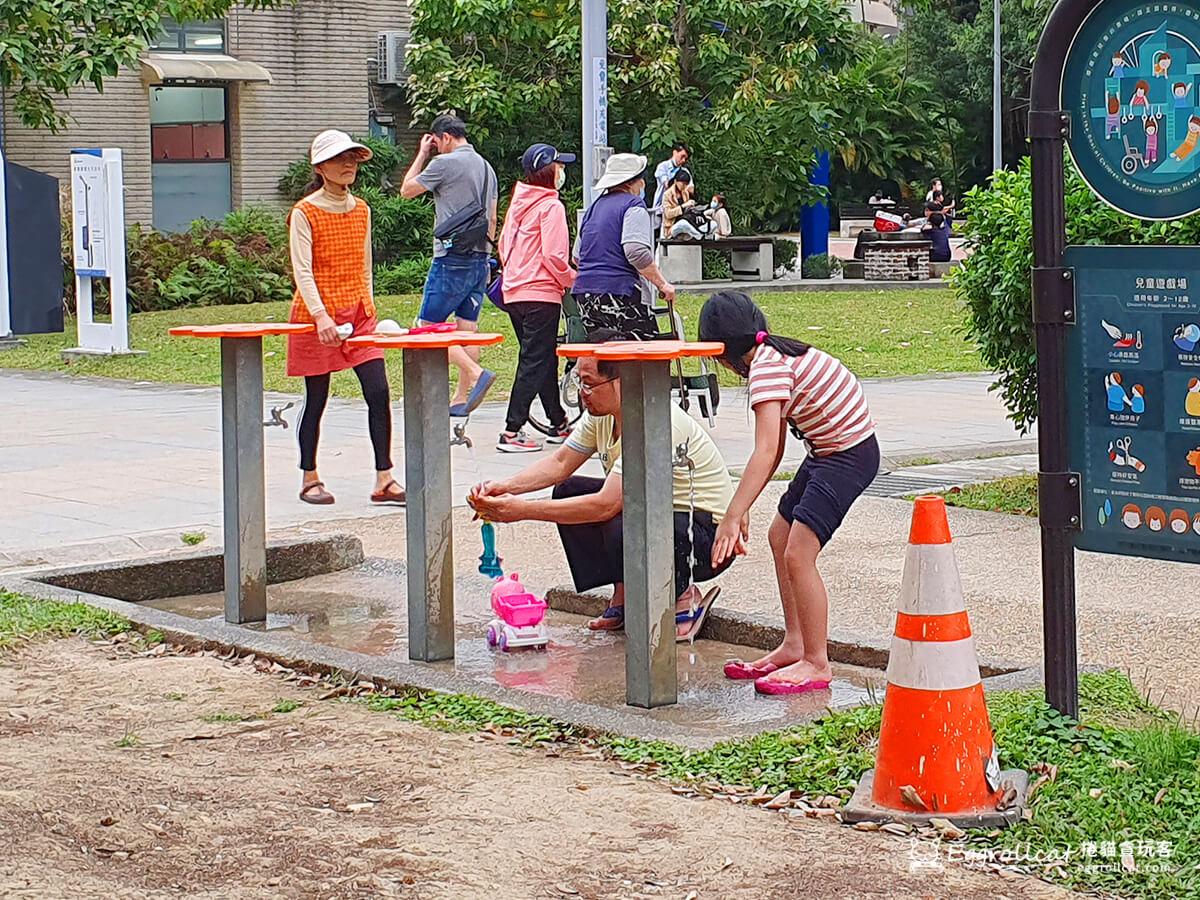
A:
(243, 486)
(647, 459)
(429, 529)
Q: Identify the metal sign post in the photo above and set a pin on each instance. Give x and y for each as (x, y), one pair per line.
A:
(1117, 82)
(98, 234)
(595, 95)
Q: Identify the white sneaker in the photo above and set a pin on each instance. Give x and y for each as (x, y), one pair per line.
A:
(517, 443)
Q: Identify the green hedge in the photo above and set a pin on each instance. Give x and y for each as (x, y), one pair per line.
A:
(994, 281)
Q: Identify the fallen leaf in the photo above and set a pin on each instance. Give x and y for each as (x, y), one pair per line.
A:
(725, 865)
(900, 828)
(1128, 863)
(107, 821)
(373, 799)
(946, 829)
(359, 807)
(566, 889)
(1158, 798)
(1096, 793)
(692, 895)
(866, 826)
(1120, 764)
(910, 796)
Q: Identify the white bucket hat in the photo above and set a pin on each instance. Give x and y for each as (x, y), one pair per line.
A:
(622, 167)
(331, 143)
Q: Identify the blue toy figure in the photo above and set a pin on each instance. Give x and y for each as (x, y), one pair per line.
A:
(489, 563)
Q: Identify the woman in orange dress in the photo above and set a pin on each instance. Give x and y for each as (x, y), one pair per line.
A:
(329, 235)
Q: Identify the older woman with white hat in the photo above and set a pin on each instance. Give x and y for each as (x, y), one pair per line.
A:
(329, 235)
(616, 254)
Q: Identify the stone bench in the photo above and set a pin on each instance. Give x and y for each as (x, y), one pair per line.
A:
(751, 258)
(896, 259)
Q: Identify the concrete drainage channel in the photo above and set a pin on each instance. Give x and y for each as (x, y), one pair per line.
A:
(127, 589)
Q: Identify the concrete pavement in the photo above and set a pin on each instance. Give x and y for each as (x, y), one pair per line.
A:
(128, 467)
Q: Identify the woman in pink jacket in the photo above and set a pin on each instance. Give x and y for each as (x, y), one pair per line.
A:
(536, 254)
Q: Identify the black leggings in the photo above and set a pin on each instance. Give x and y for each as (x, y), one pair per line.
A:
(373, 377)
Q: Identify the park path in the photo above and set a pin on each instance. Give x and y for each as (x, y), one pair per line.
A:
(127, 467)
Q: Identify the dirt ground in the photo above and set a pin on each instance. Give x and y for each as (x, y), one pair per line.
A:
(113, 785)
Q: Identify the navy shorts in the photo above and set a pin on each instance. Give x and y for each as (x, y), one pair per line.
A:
(455, 287)
(826, 487)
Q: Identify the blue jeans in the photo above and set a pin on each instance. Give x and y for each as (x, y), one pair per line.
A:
(455, 287)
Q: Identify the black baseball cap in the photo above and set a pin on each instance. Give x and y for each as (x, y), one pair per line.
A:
(539, 156)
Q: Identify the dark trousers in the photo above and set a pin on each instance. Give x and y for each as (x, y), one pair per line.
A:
(536, 327)
(595, 551)
(373, 377)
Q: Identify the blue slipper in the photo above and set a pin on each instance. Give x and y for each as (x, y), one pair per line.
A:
(486, 379)
(696, 618)
(612, 619)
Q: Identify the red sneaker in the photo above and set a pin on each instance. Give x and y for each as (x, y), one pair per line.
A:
(517, 443)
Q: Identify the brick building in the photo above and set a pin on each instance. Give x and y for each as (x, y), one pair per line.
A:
(217, 110)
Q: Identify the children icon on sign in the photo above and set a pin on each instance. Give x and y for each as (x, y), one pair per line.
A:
(1118, 399)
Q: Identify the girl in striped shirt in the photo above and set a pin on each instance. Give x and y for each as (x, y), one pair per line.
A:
(792, 384)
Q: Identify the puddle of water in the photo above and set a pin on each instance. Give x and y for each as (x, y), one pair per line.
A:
(364, 610)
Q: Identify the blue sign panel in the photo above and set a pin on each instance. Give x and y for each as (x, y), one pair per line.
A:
(1133, 394)
(1132, 86)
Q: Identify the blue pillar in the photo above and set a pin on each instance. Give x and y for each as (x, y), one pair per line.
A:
(814, 220)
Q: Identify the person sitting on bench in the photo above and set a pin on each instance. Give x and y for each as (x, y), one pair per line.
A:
(588, 511)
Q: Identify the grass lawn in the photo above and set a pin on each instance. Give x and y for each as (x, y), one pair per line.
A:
(877, 333)
(1016, 494)
(1115, 808)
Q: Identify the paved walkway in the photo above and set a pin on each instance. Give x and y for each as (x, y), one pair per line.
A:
(134, 465)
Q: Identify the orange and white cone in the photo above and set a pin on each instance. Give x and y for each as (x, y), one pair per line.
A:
(936, 756)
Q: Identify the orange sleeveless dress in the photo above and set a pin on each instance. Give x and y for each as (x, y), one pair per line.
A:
(338, 265)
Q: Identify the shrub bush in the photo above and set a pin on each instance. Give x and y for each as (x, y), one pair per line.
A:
(714, 265)
(820, 265)
(405, 276)
(994, 281)
(785, 252)
(242, 259)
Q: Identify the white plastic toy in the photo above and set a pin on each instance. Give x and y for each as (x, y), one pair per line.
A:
(345, 330)
(520, 617)
(389, 326)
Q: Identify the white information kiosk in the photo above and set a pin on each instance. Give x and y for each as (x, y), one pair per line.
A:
(98, 236)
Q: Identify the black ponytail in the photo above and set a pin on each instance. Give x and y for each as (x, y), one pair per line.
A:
(732, 318)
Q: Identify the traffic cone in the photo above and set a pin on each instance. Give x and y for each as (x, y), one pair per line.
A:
(936, 757)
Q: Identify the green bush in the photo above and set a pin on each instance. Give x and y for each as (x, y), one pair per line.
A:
(405, 276)
(820, 265)
(994, 281)
(243, 259)
(715, 266)
(785, 253)
(399, 227)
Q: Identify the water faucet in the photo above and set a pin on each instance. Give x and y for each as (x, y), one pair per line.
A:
(277, 416)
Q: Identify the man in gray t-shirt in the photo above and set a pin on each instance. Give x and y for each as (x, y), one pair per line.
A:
(459, 180)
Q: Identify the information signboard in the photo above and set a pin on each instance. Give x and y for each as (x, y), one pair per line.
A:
(1132, 86)
(1133, 399)
(90, 212)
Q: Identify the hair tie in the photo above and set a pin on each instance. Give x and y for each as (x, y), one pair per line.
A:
(760, 337)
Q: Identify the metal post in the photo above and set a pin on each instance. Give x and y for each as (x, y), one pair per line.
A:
(1049, 242)
(244, 491)
(430, 529)
(997, 102)
(649, 534)
(595, 92)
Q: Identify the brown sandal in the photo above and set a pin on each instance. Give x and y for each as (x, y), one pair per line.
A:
(322, 497)
(386, 495)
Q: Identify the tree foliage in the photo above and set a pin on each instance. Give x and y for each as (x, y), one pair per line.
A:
(50, 47)
(951, 41)
(995, 281)
(755, 88)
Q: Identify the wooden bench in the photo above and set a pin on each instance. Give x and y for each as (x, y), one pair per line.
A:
(751, 258)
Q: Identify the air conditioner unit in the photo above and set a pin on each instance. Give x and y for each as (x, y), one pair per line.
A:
(390, 67)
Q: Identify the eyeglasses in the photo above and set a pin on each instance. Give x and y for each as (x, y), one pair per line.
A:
(591, 388)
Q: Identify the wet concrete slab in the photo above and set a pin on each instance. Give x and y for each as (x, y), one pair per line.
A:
(363, 610)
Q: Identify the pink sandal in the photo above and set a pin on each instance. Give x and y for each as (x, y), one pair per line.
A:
(772, 688)
(737, 670)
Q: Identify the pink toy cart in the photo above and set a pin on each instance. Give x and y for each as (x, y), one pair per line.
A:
(520, 616)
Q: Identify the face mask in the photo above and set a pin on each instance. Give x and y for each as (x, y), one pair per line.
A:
(713, 205)
(560, 179)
